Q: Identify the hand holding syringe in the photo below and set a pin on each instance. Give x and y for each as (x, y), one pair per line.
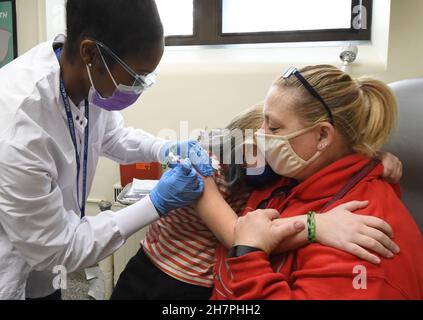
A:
(201, 161)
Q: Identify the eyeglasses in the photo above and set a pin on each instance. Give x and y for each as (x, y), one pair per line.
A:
(142, 81)
(294, 71)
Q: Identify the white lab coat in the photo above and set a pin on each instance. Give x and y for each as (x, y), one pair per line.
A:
(40, 226)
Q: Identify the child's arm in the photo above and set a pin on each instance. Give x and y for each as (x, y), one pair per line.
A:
(339, 228)
(216, 213)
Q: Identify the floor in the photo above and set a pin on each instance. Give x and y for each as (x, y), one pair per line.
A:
(77, 287)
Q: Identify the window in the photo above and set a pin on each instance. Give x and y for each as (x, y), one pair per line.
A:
(55, 18)
(177, 17)
(246, 16)
(209, 22)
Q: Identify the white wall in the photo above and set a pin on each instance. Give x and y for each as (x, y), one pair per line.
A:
(30, 23)
(207, 87)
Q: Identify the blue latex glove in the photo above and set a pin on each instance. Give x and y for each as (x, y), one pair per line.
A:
(190, 149)
(177, 188)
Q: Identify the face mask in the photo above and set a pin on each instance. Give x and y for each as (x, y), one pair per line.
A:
(119, 100)
(266, 178)
(281, 156)
(122, 98)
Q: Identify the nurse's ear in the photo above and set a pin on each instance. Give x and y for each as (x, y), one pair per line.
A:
(326, 136)
(89, 53)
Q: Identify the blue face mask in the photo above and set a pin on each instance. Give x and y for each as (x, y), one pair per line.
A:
(262, 180)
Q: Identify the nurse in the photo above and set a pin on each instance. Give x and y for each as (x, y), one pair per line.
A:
(59, 108)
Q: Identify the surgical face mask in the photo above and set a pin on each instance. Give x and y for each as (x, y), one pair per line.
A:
(281, 156)
(122, 98)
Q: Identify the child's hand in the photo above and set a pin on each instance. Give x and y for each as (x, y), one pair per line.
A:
(356, 234)
(392, 167)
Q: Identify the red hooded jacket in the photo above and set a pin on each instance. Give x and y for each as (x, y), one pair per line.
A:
(319, 272)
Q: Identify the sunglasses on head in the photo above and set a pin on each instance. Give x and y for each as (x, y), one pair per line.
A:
(292, 71)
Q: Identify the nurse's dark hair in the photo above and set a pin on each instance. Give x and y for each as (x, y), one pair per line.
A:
(127, 27)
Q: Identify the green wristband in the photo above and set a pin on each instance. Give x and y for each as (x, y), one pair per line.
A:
(311, 227)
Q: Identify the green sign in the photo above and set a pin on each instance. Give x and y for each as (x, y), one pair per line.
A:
(8, 47)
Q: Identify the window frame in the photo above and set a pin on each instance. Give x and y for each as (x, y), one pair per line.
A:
(208, 15)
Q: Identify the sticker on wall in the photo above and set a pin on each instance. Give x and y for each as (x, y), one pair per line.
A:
(8, 38)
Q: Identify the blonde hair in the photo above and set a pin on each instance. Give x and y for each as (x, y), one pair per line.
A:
(251, 118)
(364, 110)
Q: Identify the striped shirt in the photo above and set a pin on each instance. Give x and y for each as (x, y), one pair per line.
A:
(182, 246)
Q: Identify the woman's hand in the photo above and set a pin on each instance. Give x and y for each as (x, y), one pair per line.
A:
(258, 230)
(356, 234)
(392, 167)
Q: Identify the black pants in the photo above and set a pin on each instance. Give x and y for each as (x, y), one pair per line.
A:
(142, 280)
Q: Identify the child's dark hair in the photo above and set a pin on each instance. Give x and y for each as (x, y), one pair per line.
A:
(125, 26)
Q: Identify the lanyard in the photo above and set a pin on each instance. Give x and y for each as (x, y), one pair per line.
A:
(71, 126)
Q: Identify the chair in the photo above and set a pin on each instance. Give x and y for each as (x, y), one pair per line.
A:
(407, 143)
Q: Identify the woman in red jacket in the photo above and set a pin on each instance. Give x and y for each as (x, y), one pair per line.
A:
(321, 129)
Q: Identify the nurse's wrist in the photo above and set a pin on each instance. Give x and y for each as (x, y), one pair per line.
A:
(165, 150)
(154, 198)
(133, 218)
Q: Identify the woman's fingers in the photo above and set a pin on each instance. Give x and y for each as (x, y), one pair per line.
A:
(354, 205)
(382, 238)
(378, 224)
(398, 174)
(270, 213)
(371, 244)
(289, 229)
(392, 167)
(257, 230)
(363, 254)
(393, 175)
(388, 173)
